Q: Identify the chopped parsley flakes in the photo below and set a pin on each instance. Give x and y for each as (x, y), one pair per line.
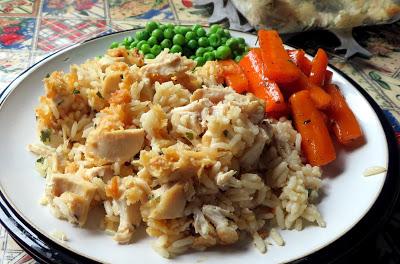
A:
(99, 95)
(45, 135)
(40, 160)
(189, 135)
(75, 91)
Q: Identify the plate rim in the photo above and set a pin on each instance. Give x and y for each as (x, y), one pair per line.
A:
(42, 248)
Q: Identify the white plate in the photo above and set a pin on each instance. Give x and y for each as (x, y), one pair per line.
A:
(347, 194)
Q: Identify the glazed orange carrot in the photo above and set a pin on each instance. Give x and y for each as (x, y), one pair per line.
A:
(328, 77)
(279, 67)
(234, 76)
(260, 85)
(305, 66)
(299, 58)
(320, 98)
(344, 123)
(296, 55)
(318, 68)
(317, 144)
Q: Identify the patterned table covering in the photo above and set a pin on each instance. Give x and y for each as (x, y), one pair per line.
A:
(32, 29)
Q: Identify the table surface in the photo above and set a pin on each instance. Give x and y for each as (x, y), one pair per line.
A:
(32, 29)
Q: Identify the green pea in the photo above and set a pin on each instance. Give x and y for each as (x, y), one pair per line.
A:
(158, 34)
(223, 52)
(183, 30)
(195, 27)
(241, 47)
(214, 40)
(142, 35)
(214, 28)
(227, 33)
(220, 32)
(140, 43)
(178, 39)
(128, 40)
(177, 29)
(162, 27)
(209, 49)
(209, 56)
(200, 51)
(145, 48)
(166, 44)
(152, 40)
(176, 49)
(241, 41)
(168, 33)
(235, 53)
(150, 26)
(133, 44)
(192, 57)
(192, 44)
(200, 32)
(190, 35)
(203, 42)
(224, 40)
(238, 58)
(114, 45)
(149, 56)
(171, 26)
(232, 43)
(155, 50)
(200, 61)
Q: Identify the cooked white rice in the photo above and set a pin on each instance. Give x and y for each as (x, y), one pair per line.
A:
(374, 170)
(165, 146)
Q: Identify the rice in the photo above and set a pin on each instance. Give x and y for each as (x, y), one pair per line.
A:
(276, 237)
(166, 146)
(374, 170)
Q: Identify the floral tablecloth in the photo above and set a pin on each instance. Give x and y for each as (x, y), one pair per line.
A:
(31, 29)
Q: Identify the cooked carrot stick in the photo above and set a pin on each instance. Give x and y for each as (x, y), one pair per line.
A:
(296, 55)
(234, 76)
(320, 98)
(259, 84)
(318, 68)
(279, 67)
(299, 58)
(328, 77)
(316, 142)
(344, 123)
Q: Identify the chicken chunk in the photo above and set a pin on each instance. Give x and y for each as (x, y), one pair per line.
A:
(250, 105)
(215, 94)
(187, 119)
(226, 229)
(172, 203)
(119, 145)
(128, 56)
(111, 84)
(129, 218)
(167, 65)
(70, 197)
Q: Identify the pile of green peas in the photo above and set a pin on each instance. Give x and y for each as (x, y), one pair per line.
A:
(193, 42)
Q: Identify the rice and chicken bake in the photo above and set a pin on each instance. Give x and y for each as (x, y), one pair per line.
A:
(164, 145)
